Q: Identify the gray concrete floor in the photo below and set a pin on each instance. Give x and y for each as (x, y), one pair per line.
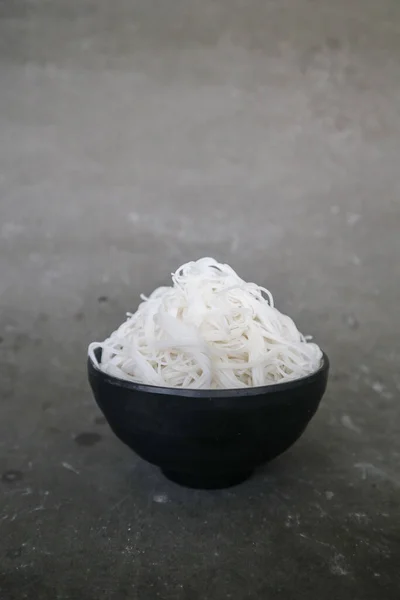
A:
(136, 135)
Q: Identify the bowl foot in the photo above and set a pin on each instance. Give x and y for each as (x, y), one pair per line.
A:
(206, 481)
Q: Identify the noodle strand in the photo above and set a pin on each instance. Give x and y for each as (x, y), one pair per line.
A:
(209, 330)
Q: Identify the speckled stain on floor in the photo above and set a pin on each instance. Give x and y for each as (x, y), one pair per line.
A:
(136, 135)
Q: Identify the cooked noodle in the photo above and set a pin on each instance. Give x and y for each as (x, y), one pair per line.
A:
(210, 330)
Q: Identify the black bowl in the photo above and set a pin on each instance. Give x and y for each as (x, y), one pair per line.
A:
(208, 438)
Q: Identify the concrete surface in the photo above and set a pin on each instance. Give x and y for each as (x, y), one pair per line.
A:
(138, 134)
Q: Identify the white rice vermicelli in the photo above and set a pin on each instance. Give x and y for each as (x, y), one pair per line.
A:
(209, 330)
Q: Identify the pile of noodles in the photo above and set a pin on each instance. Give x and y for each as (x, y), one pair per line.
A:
(209, 330)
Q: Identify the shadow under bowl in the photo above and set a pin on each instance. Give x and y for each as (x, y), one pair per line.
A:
(208, 439)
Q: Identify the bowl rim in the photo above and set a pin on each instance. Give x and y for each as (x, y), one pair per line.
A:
(210, 393)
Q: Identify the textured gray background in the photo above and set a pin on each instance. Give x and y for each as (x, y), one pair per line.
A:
(136, 135)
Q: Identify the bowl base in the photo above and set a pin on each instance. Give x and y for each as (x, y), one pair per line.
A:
(206, 481)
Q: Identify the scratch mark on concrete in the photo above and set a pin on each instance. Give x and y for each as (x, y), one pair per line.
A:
(70, 468)
(368, 469)
(337, 565)
(348, 423)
